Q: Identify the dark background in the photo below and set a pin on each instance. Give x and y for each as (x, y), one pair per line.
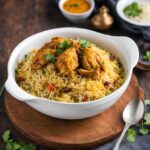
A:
(22, 18)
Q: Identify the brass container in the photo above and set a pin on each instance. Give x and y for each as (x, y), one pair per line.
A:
(103, 20)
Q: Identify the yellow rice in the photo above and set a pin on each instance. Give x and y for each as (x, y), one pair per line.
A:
(36, 80)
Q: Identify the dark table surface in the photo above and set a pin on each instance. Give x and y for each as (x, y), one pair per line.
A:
(22, 18)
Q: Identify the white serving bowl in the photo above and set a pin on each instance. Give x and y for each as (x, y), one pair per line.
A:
(121, 4)
(124, 47)
(76, 18)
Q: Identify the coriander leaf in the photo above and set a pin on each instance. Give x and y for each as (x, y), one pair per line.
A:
(1, 90)
(147, 56)
(9, 146)
(10, 140)
(15, 146)
(147, 102)
(59, 50)
(144, 131)
(131, 135)
(50, 57)
(5, 136)
(133, 10)
(27, 146)
(147, 118)
(64, 45)
(84, 43)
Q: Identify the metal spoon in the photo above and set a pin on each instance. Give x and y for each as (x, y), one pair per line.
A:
(132, 114)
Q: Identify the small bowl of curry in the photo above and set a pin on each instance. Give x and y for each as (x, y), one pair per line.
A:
(76, 10)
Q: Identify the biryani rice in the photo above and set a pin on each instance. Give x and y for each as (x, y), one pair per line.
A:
(36, 80)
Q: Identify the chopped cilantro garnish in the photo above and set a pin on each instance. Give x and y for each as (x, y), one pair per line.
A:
(131, 135)
(147, 119)
(144, 131)
(147, 102)
(50, 57)
(5, 136)
(59, 50)
(10, 144)
(84, 43)
(133, 10)
(64, 45)
(147, 56)
(142, 127)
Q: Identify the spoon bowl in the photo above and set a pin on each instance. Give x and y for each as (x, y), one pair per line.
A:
(133, 112)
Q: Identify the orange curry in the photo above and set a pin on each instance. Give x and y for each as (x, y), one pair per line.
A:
(76, 6)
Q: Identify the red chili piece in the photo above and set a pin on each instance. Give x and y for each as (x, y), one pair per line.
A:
(50, 87)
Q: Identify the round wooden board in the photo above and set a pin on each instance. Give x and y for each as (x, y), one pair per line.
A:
(71, 134)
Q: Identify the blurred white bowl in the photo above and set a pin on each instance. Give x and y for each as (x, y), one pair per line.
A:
(76, 18)
(124, 47)
(121, 4)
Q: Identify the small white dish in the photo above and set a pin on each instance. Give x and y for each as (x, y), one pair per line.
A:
(76, 18)
(124, 47)
(121, 4)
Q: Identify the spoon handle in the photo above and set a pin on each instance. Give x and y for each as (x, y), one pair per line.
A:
(121, 136)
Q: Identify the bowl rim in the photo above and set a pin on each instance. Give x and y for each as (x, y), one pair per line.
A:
(92, 6)
(26, 40)
(125, 18)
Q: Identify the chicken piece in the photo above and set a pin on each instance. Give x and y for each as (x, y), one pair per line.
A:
(56, 41)
(86, 73)
(53, 44)
(97, 74)
(94, 74)
(90, 57)
(39, 58)
(76, 45)
(67, 62)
